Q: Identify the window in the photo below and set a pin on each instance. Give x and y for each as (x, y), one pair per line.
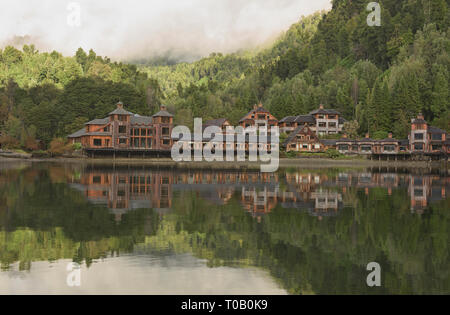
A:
(144, 132)
(366, 148)
(98, 142)
(418, 136)
(166, 142)
(321, 116)
(136, 132)
(165, 120)
(332, 125)
(262, 117)
(121, 193)
(389, 148)
(165, 131)
(436, 137)
(354, 148)
(436, 147)
(322, 125)
(331, 116)
(122, 141)
(418, 147)
(106, 129)
(123, 118)
(97, 179)
(343, 147)
(122, 129)
(149, 143)
(136, 142)
(142, 142)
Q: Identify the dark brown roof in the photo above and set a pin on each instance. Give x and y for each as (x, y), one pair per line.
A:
(141, 120)
(305, 119)
(288, 119)
(120, 111)
(103, 121)
(432, 129)
(163, 113)
(215, 122)
(293, 134)
(77, 134)
(325, 111)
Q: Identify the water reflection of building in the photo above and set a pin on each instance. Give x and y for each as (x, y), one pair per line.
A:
(122, 191)
(424, 190)
(320, 195)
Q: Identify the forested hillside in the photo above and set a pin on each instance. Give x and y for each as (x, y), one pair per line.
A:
(377, 76)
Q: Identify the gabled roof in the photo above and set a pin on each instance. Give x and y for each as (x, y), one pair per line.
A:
(305, 119)
(288, 119)
(432, 129)
(294, 133)
(103, 121)
(120, 111)
(163, 113)
(419, 121)
(325, 111)
(215, 122)
(78, 133)
(141, 120)
(328, 142)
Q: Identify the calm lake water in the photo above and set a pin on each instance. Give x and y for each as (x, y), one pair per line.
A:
(144, 230)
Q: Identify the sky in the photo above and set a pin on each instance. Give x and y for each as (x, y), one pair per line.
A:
(133, 29)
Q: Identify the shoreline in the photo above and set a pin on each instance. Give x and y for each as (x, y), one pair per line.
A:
(284, 163)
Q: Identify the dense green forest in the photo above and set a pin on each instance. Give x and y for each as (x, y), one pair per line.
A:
(379, 77)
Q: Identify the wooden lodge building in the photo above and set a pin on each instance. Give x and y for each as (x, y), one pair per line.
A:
(423, 141)
(258, 117)
(321, 121)
(126, 132)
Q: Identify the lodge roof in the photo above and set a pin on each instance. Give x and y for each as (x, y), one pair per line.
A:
(163, 112)
(141, 120)
(305, 119)
(432, 129)
(293, 134)
(215, 122)
(78, 133)
(324, 111)
(288, 119)
(120, 111)
(98, 133)
(328, 142)
(102, 121)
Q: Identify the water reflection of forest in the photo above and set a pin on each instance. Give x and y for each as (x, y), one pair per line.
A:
(315, 230)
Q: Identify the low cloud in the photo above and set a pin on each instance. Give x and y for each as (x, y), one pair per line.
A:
(134, 29)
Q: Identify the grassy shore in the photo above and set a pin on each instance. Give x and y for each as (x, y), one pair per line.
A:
(284, 163)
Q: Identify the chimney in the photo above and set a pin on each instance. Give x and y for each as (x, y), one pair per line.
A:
(260, 105)
(321, 106)
(367, 136)
(163, 107)
(344, 136)
(390, 135)
(255, 107)
(120, 105)
(420, 116)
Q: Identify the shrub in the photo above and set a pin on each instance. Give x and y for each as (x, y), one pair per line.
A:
(59, 146)
(333, 154)
(77, 146)
(8, 142)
